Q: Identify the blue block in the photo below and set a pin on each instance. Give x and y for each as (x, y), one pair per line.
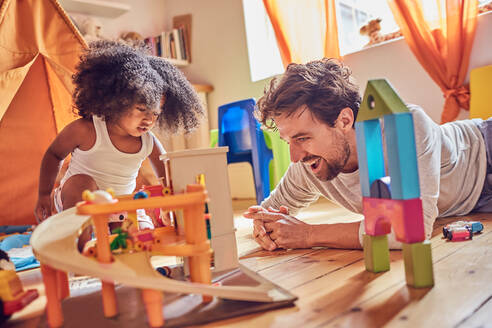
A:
(370, 153)
(402, 156)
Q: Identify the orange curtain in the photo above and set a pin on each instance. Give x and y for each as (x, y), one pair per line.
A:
(442, 44)
(305, 30)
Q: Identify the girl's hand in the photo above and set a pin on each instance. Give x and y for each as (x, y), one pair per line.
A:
(43, 208)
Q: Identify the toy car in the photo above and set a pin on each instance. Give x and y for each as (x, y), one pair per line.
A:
(461, 230)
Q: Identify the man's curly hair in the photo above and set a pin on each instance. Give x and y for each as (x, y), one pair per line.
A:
(182, 108)
(112, 77)
(325, 86)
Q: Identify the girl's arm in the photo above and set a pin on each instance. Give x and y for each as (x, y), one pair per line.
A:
(157, 164)
(65, 142)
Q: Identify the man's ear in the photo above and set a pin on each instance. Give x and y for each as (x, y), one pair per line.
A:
(345, 119)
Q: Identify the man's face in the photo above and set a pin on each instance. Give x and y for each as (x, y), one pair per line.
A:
(324, 149)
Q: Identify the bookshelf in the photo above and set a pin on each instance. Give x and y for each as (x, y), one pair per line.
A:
(95, 7)
(178, 62)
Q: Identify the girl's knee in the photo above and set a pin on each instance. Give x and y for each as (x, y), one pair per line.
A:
(71, 192)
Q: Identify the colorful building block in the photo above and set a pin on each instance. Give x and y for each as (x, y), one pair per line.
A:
(404, 215)
(402, 156)
(418, 264)
(369, 141)
(377, 216)
(380, 99)
(376, 253)
(381, 188)
(394, 201)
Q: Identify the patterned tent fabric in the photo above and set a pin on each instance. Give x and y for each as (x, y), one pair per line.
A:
(39, 49)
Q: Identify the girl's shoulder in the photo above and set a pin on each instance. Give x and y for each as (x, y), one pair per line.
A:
(84, 131)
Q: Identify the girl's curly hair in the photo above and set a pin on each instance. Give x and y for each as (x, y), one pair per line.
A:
(182, 108)
(325, 86)
(111, 77)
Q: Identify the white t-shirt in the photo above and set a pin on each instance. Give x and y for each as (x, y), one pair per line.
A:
(452, 167)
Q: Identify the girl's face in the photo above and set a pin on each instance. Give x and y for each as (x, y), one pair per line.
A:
(139, 119)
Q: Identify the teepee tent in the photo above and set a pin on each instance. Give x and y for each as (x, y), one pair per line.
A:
(39, 49)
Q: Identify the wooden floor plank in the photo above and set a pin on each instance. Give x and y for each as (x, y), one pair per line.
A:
(262, 260)
(480, 318)
(302, 270)
(325, 298)
(462, 286)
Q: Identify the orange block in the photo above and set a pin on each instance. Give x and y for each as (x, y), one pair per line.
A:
(405, 216)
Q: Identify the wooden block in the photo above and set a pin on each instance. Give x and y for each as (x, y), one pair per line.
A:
(376, 253)
(408, 223)
(377, 219)
(370, 153)
(379, 99)
(381, 188)
(418, 264)
(402, 156)
(405, 216)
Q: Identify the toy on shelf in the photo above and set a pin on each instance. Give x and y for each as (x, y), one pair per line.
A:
(394, 200)
(462, 230)
(13, 297)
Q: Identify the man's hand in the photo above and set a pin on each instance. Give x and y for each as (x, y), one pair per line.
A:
(259, 231)
(276, 228)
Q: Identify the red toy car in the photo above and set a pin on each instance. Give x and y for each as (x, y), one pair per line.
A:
(461, 230)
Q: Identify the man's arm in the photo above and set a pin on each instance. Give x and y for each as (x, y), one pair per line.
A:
(428, 144)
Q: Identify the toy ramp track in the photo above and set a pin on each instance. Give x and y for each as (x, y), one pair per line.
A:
(54, 243)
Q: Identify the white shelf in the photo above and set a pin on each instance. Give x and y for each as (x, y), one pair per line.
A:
(95, 7)
(177, 62)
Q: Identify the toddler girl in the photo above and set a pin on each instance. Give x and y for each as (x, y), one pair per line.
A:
(120, 94)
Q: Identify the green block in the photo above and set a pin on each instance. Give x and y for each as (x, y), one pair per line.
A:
(376, 253)
(418, 264)
(380, 99)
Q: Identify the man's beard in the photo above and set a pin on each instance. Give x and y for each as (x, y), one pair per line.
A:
(333, 169)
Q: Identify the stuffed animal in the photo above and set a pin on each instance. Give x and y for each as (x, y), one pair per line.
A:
(131, 38)
(92, 29)
(372, 30)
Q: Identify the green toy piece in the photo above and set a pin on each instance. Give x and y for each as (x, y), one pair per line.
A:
(376, 253)
(380, 99)
(120, 240)
(418, 264)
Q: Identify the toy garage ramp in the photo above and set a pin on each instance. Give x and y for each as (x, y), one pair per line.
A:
(54, 242)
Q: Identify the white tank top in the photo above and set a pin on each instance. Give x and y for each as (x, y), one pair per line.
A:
(108, 166)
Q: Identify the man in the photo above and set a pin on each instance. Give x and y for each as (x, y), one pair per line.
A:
(314, 107)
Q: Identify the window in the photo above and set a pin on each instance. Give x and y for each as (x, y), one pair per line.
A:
(263, 53)
(353, 14)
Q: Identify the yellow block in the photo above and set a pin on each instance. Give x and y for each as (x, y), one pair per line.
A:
(480, 92)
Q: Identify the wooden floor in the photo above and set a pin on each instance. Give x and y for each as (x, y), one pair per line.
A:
(335, 290)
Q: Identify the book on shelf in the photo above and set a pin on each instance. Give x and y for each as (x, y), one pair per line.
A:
(169, 44)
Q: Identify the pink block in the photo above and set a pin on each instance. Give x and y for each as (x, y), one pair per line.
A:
(404, 215)
(377, 222)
